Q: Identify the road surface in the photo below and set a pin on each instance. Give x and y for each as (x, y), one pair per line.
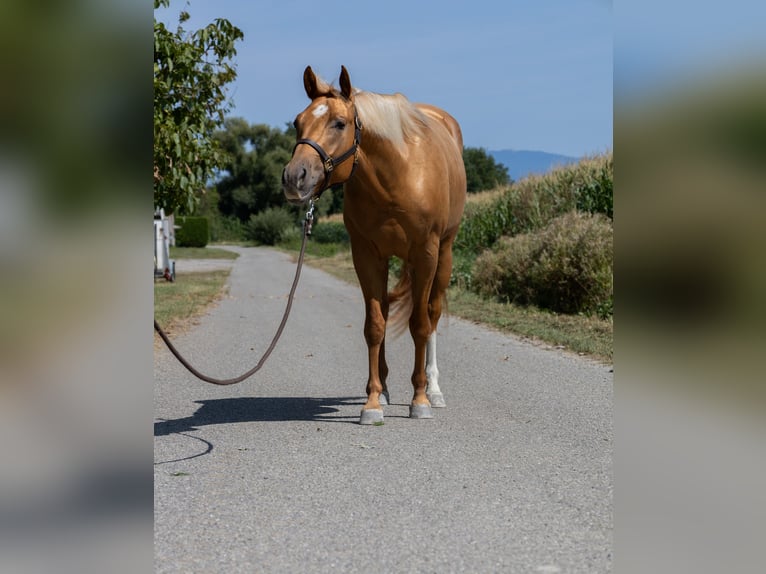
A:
(275, 475)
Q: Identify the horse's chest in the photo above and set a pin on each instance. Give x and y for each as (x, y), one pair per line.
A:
(390, 237)
(387, 231)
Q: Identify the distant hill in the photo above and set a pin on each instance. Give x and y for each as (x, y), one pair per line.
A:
(521, 163)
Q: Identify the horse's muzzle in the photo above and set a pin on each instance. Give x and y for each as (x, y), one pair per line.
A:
(298, 183)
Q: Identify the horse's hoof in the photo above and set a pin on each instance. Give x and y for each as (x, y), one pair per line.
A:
(421, 412)
(384, 398)
(371, 416)
(437, 400)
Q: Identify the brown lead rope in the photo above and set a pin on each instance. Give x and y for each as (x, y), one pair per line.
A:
(251, 372)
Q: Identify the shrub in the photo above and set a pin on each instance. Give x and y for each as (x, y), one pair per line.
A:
(462, 263)
(329, 232)
(504, 272)
(268, 226)
(193, 232)
(565, 267)
(224, 229)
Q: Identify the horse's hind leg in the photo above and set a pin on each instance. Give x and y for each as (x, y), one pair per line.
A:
(385, 397)
(433, 392)
(424, 267)
(436, 299)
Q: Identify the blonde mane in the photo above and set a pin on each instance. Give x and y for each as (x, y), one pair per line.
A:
(392, 117)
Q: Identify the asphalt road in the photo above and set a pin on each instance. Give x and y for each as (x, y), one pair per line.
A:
(275, 475)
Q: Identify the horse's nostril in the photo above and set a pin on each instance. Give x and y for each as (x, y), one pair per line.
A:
(303, 174)
(284, 176)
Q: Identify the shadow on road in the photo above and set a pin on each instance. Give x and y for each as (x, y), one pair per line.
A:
(252, 409)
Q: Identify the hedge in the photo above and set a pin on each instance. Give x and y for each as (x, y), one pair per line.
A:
(329, 232)
(194, 231)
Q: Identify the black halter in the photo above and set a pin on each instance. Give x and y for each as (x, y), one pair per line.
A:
(328, 162)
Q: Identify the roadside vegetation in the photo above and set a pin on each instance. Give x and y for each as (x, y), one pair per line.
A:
(532, 257)
(201, 253)
(178, 304)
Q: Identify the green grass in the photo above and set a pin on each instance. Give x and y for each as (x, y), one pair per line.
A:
(313, 248)
(578, 333)
(177, 304)
(201, 253)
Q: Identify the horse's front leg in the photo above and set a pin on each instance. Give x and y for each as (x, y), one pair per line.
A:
(373, 278)
(374, 333)
(435, 303)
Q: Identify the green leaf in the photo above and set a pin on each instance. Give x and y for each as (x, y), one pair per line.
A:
(189, 104)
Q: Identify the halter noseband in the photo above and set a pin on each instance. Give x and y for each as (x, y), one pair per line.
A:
(328, 162)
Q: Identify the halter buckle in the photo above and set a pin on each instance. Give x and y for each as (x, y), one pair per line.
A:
(310, 217)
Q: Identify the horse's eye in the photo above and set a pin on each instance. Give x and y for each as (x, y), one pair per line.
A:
(340, 125)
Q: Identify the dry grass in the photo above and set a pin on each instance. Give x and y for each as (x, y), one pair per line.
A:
(488, 196)
(588, 336)
(177, 305)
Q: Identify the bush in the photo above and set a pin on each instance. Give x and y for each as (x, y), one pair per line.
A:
(268, 226)
(329, 232)
(226, 229)
(193, 232)
(565, 267)
(462, 264)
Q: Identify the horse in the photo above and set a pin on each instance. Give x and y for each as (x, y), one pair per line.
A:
(404, 194)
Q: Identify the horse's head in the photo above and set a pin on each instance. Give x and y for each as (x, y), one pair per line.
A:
(328, 133)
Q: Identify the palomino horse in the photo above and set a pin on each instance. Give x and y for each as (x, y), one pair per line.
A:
(404, 195)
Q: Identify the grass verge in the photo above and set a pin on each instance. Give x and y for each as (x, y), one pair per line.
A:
(201, 253)
(314, 249)
(584, 335)
(578, 333)
(178, 304)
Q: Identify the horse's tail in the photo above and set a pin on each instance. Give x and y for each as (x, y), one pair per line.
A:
(400, 301)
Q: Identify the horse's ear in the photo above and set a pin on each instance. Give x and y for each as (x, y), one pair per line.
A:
(345, 83)
(315, 87)
(310, 83)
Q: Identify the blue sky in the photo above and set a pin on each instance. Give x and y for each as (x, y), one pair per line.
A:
(661, 44)
(533, 75)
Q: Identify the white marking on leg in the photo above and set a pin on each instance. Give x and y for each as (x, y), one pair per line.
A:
(320, 110)
(432, 371)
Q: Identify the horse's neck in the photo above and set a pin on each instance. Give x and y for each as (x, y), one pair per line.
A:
(380, 166)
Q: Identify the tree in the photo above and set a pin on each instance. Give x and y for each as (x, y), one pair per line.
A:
(191, 70)
(251, 177)
(481, 170)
